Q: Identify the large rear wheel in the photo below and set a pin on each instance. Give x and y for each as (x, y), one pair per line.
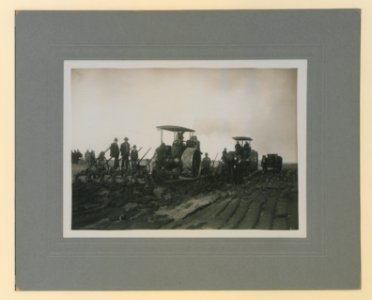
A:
(191, 162)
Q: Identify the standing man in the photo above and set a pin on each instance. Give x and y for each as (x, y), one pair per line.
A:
(224, 155)
(238, 149)
(133, 159)
(178, 145)
(206, 165)
(101, 166)
(246, 150)
(161, 155)
(125, 151)
(114, 153)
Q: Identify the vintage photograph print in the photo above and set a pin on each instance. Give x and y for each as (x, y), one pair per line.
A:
(185, 148)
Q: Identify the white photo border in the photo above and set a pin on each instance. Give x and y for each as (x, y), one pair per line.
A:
(299, 64)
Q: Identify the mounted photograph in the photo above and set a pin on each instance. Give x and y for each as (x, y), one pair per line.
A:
(192, 149)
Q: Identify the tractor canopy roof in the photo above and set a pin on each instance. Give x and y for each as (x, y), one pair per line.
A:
(242, 138)
(175, 128)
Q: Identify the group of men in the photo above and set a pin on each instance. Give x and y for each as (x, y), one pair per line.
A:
(206, 165)
(230, 160)
(75, 156)
(243, 152)
(240, 151)
(126, 152)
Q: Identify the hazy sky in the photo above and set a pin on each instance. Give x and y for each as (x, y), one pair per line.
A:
(217, 103)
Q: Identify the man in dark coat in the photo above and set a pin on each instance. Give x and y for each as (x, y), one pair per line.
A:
(206, 165)
(134, 159)
(224, 156)
(125, 152)
(246, 150)
(101, 165)
(238, 149)
(114, 153)
(161, 155)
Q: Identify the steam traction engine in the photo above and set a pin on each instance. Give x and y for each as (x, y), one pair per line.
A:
(182, 158)
(241, 162)
(271, 161)
(247, 158)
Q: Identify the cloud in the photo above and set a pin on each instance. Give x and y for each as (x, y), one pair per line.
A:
(217, 103)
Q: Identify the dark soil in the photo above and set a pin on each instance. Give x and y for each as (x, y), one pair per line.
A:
(259, 201)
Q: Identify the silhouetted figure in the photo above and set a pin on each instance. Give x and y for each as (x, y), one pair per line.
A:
(206, 165)
(114, 153)
(238, 149)
(134, 159)
(125, 152)
(246, 150)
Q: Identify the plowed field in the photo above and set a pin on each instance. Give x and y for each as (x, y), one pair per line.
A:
(261, 201)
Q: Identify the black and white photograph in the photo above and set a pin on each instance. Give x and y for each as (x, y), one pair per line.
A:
(185, 148)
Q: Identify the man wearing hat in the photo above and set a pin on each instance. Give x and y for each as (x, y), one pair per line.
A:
(114, 153)
(101, 165)
(125, 151)
(134, 159)
(206, 165)
(246, 150)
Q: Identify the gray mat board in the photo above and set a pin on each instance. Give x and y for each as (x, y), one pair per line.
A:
(328, 259)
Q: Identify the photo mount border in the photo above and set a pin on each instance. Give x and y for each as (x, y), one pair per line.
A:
(301, 100)
(329, 258)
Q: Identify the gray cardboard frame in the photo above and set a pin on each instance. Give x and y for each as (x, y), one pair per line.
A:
(329, 258)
